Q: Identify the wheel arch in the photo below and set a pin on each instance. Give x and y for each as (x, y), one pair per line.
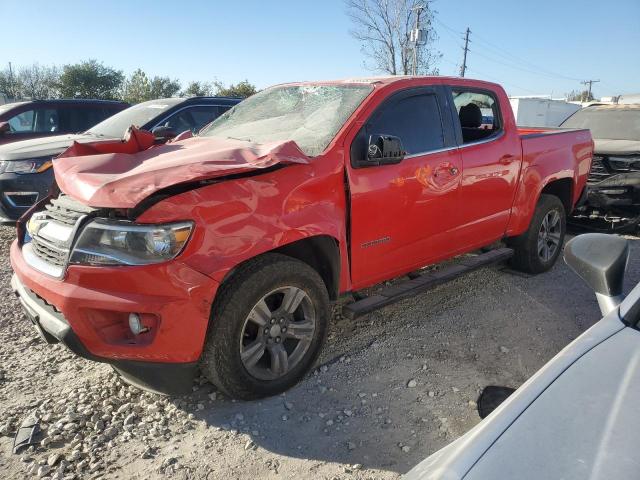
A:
(320, 252)
(563, 189)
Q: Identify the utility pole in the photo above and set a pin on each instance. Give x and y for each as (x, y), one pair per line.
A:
(463, 68)
(12, 93)
(416, 35)
(590, 83)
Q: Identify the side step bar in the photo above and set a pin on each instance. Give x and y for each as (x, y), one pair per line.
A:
(424, 282)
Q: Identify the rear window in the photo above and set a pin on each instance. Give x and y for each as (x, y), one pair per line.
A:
(478, 113)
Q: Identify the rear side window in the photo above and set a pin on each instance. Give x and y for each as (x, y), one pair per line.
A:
(415, 119)
(478, 114)
(39, 120)
(76, 119)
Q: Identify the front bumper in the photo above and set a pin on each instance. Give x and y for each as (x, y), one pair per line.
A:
(19, 192)
(88, 312)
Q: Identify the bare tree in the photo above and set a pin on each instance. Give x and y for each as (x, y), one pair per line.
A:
(384, 27)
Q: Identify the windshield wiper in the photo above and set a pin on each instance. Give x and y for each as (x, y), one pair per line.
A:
(247, 139)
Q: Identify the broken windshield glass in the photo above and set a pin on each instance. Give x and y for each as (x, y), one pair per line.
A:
(310, 115)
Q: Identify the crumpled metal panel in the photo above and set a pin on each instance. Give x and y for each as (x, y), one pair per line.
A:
(122, 174)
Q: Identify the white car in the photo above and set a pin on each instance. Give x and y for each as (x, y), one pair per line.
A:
(578, 417)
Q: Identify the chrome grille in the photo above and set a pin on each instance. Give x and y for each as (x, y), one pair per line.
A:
(52, 238)
(599, 171)
(603, 167)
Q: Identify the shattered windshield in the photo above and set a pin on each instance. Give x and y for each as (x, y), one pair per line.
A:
(310, 115)
(607, 123)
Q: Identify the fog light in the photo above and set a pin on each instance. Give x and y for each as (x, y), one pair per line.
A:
(135, 324)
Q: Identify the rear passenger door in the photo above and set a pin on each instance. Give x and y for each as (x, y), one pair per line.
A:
(491, 158)
(403, 216)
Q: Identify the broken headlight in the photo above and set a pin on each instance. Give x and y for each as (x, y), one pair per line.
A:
(124, 243)
(32, 165)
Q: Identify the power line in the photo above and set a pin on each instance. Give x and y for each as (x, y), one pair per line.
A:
(506, 56)
(516, 59)
(590, 83)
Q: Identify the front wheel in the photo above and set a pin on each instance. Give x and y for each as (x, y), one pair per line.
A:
(536, 250)
(268, 325)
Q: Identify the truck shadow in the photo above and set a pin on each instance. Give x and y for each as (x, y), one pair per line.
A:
(359, 407)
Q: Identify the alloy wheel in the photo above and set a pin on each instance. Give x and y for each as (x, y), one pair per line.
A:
(549, 235)
(277, 333)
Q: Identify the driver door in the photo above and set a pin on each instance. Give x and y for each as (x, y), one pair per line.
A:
(403, 215)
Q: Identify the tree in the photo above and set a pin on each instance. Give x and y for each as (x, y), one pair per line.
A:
(384, 28)
(164, 87)
(197, 89)
(10, 85)
(242, 89)
(137, 88)
(580, 96)
(90, 79)
(35, 81)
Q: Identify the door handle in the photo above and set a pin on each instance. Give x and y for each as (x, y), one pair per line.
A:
(507, 159)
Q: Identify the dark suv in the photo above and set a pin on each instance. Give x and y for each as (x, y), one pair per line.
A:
(25, 167)
(41, 118)
(612, 203)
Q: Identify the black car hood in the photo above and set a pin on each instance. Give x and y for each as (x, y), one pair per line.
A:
(605, 146)
(42, 147)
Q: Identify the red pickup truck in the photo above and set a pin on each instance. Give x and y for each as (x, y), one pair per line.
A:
(223, 251)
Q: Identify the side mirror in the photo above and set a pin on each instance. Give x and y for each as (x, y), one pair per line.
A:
(384, 150)
(4, 128)
(163, 133)
(600, 260)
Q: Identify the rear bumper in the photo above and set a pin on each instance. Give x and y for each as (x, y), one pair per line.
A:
(19, 192)
(88, 312)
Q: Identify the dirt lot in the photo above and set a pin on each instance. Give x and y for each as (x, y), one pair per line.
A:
(357, 416)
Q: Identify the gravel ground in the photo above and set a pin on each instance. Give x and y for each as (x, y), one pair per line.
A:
(390, 389)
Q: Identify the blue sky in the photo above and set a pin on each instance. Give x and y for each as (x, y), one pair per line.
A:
(268, 42)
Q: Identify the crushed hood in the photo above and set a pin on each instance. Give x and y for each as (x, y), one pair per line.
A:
(605, 146)
(131, 171)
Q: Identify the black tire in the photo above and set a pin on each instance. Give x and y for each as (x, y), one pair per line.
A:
(527, 257)
(221, 360)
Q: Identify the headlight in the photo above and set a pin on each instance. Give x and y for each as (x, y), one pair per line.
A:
(124, 243)
(625, 163)
(32, 165)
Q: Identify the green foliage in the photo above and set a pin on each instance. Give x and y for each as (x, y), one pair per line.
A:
(35, 82)
(164, 87)
(197, 89)
(138, 88)
(242, 89)
(580, 96)
(90, 79)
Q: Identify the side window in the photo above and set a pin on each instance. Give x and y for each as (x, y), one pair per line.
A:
(179, 121)
(80, 119)
(23, 122)
(416, 120)
(204, 115)
(36, 121)
(479, 114)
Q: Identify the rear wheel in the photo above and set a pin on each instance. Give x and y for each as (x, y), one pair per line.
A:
(536, 250)
(268, 325)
